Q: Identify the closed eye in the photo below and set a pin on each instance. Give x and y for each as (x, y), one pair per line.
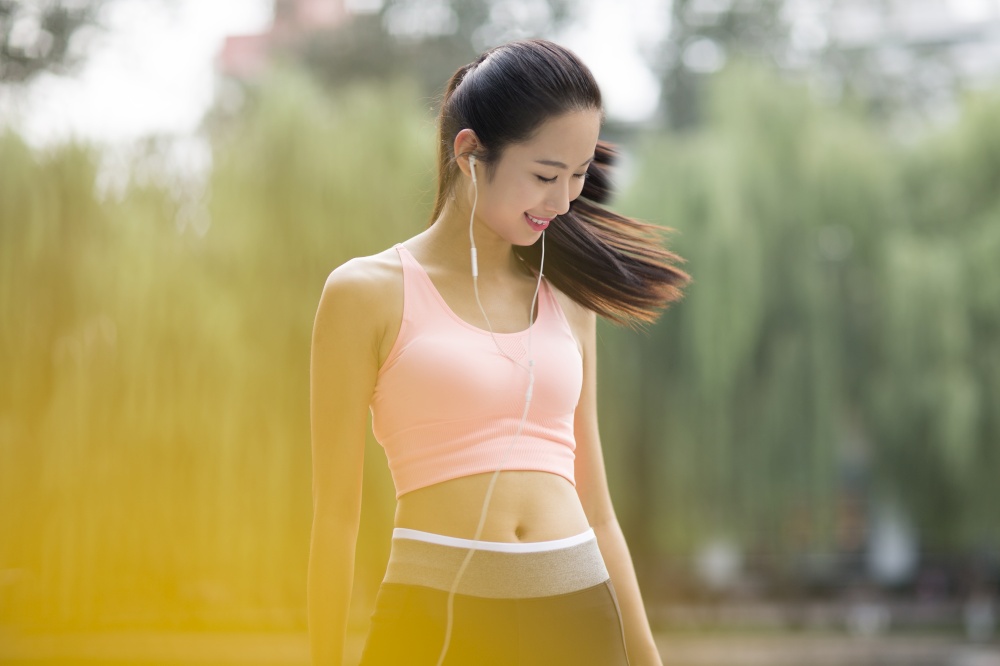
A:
(580, 176)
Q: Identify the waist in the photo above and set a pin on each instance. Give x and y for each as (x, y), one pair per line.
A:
(526, 506)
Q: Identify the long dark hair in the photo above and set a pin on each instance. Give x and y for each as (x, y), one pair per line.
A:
(613, 265)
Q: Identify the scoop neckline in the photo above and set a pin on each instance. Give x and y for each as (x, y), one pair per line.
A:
(453, 315)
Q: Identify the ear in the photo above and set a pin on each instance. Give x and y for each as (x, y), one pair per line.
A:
(466, 143)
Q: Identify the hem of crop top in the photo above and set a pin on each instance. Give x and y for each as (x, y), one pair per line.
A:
(444, 477)
(394, 350)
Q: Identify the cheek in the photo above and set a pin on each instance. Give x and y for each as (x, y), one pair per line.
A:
(504, 205)
(522, 196)
(514, 194)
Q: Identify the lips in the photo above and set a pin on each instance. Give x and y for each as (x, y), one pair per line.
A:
(537, 223)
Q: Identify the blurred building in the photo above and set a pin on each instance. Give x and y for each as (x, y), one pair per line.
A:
(246, 56)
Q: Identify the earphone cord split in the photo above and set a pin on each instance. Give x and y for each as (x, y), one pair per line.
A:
(530, 369)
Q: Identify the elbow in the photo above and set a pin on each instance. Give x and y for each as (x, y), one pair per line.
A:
(601, 513)
(602, 519)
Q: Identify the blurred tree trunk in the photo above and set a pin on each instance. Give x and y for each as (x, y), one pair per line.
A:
(409, 39)
(702, 36)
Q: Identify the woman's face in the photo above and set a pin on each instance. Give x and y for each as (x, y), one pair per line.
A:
(536, 180)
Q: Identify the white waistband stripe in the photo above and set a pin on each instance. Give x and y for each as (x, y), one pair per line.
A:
(495, 546)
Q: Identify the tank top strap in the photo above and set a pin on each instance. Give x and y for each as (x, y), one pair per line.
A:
(550, 302)
(421, 300)
(406, 260)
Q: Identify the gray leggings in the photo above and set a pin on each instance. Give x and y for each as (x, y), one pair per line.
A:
(541, 608)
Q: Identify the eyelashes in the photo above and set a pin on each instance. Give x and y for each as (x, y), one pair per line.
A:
(580, 176)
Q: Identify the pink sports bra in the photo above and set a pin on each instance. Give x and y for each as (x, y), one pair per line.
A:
(447, 404)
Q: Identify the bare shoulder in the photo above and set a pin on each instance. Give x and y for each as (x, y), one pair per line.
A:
(361, 275)
(374, 276)
(366, 292)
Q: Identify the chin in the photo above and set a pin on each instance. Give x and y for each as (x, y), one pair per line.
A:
(527, 241)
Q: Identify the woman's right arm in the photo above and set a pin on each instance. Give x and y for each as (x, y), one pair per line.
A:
(343, 368)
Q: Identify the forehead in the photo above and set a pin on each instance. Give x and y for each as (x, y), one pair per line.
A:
(569, 138)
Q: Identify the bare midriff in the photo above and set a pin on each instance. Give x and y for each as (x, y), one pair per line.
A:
(525, 506)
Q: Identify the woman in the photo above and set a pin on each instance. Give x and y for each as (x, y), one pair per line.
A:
(473, 346)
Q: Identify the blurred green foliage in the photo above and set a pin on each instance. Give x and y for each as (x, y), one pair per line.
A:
(38, 37)
(758, 30)
(844, 322)
(154, 345)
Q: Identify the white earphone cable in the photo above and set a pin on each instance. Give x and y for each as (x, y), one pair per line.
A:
(530, 369)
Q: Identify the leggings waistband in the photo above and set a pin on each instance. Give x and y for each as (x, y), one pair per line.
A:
(545, 568)
(496, 546)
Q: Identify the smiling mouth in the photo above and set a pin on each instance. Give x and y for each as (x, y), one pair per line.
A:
(537, 222)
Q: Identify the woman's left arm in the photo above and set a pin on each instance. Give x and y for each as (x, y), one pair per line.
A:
(592, 487)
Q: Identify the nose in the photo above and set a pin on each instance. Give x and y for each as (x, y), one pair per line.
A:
(559, 199)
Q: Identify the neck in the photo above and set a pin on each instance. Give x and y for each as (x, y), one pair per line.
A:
(449, 238)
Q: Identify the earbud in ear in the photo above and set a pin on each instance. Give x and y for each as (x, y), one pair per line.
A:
(472, 167)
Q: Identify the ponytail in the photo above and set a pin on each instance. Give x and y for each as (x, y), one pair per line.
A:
(614, 265)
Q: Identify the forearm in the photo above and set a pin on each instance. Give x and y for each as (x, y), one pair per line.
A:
(638, 635)
(328, 595)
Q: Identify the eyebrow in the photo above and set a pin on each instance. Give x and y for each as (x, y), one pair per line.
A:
(560, 165)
